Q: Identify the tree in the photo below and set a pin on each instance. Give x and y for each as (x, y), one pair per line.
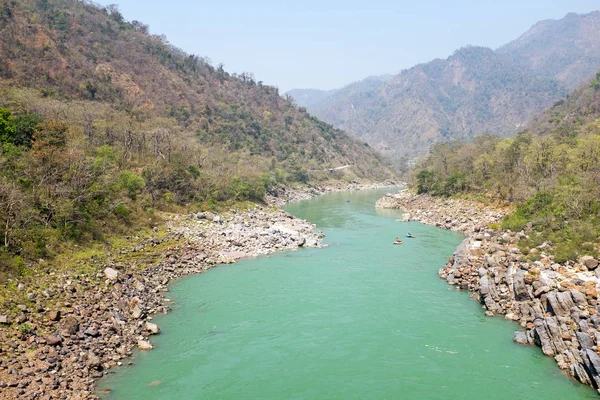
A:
(25, 126)
(7, 129)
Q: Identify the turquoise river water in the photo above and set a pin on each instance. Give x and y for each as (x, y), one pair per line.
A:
(360, 319)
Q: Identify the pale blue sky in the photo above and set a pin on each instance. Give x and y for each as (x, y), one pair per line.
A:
(329, 43)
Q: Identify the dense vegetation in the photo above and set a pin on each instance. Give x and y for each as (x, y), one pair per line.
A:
(102, 124)
(475, 91)
(552, 175)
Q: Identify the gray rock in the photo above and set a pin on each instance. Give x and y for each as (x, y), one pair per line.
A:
(111, 274)
(585, 341)
(487, 287)
(145, 345)
(71, 325)
(153, 328)
(520, 337)
(548, 336)
(590, 262)
(578, 297)
(520, 288)
(580, 373)
(560, 303)
(4, 320)
(490, 304)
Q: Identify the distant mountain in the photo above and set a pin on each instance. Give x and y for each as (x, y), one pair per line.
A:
(473, 92)
(314, 97)
(567, 49)
(310, 97)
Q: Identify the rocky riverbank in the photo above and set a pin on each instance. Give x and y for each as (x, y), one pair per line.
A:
(282, 196)
(61, 331)
(70, 329)
(555, 304)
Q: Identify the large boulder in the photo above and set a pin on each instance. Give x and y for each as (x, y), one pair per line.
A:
(520, 288)
(93, 361)
(152, 328)
(590, 262)
(578, 297)
(145, 345)
(520, 337)
(111, 274)
(54, 315)
(585, 340)
(53, 340)
(548, 336)
(70, 325)
(560, 303)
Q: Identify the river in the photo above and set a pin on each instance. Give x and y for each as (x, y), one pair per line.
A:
(360, 319)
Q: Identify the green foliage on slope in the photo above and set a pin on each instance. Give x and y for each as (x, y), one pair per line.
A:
(552, 175)
(102, 125)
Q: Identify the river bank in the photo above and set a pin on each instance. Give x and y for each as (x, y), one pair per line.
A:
(281, 196)
(61, 332)
(555, 304)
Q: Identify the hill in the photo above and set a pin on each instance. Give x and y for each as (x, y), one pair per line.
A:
(551, 172)
(475, 91)
(314, 97)
(74, 50)
(565, 49)
(101, 124)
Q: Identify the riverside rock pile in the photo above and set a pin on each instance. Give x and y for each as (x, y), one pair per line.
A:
(282, 196)
(555, 304)
(76, 326)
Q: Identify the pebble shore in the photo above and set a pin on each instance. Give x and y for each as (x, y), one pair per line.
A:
(74, 326)
(556, 305)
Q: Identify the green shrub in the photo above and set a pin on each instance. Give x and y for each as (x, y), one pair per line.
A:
(121, 210)
(132, 183)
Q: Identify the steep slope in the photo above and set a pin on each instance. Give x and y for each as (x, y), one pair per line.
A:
(551, 171)
(473, 92)
(566, 117)
(76, 50)
(102, 124)
(567, 49)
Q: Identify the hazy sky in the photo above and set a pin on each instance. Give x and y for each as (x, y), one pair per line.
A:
(329, 43)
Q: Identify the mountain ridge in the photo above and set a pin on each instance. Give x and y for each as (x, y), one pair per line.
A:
(474, 91)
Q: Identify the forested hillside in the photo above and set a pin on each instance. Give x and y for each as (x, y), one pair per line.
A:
(551, 172)
(101, 124)
(475, 91)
